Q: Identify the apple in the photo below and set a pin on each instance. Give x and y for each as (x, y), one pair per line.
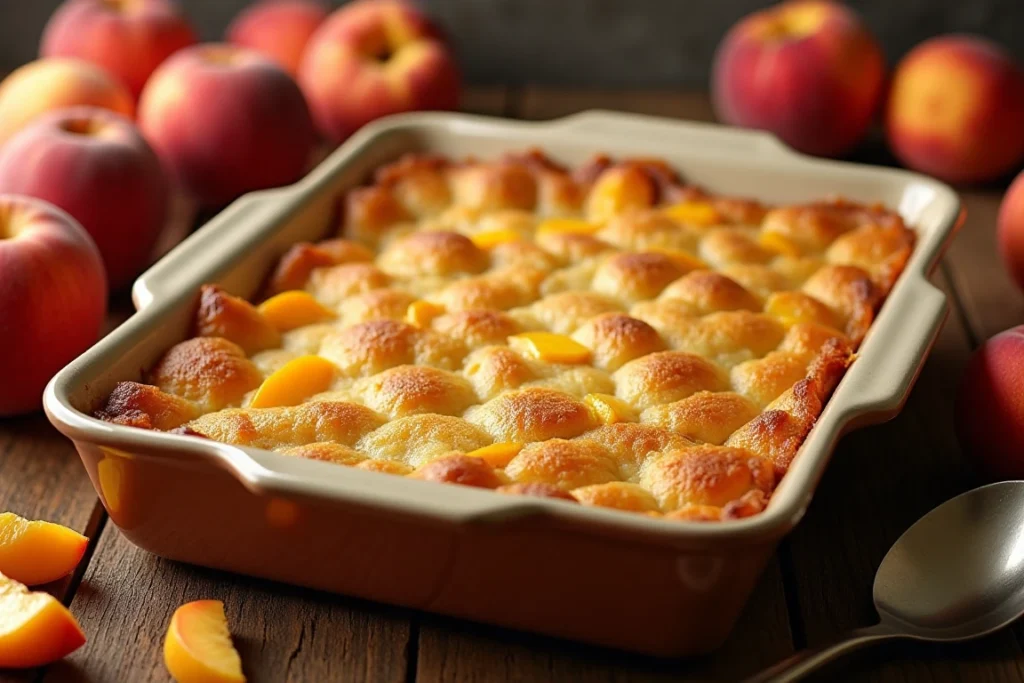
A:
(226, 120)
(956, 110)
(279, 29)
(806, 70)
(990, 405)
(95, 165)
(53, 297)
(128, 38)
(56, 83)
(372, 58)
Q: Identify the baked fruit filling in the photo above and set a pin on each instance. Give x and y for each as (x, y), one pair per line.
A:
(609, 335)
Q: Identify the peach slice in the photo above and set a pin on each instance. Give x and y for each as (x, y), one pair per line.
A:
(693, 213)
(492, 238)
(683, 259)
(420, 313)
(497, 454)
(556, 226)
(198, 646)
(780, 244)
(35, 629)
(289, 310)
(38, 552)
(610, 409)
(294, 382)
(550, 347)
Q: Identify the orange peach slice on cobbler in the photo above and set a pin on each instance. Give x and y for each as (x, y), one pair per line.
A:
(198, 646)
(293, 309)
(294, 382)
(35, 629)
(38, 552)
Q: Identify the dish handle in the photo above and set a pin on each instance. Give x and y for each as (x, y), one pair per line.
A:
(201, 255)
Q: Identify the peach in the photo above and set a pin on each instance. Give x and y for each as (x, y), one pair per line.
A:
(128, 38)
(226, 120)
(279, 29)
(38, 552)
(956, 110)
(56, 83)
(1010, 230)
(990, 405)
(53, 293)
(95, 165)
(806, 70)
(198, 647)
(372, 58)
(35, 629)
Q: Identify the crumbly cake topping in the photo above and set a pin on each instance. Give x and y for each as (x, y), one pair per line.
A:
(610, 335)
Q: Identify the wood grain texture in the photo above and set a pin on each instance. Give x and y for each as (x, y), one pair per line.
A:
(283, 633)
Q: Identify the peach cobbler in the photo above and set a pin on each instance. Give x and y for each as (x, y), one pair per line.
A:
(610, 335)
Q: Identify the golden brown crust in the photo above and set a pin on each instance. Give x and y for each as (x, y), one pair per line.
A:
(609, 334)
(222, 315)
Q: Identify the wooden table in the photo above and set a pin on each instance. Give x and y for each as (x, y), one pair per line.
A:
(817, 586)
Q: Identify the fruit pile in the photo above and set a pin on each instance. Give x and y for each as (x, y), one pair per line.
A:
(124, 109)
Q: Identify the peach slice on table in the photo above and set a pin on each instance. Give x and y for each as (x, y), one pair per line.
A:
(35, 629)
(549, 347)
(294, 382)
(198, 646)
(290, 310)
(36, 552)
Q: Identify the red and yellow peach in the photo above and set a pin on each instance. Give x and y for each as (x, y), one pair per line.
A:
(53, 297)
(128, 38)
(990, 405)
(1010, 230)
(373, 58)
(226, 120)
(806, 70)
(956, 110)
(278, 29)
(56, 83)
(96, 166)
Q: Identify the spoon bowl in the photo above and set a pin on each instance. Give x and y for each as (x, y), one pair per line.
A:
(956, 574)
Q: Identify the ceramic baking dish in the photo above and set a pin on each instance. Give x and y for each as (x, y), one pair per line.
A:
(590, 574)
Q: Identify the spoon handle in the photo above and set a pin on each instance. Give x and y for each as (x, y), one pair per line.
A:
(810, 660)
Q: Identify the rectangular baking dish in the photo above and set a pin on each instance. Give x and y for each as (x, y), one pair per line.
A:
(589, 574)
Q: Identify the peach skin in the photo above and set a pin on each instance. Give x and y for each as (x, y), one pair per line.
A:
(35, 629)
(56, 83)
(95, 165)
(128, 38)
(198, 647)
(990, 405)
(226, 120)
(1010, 230)
(279, 29)
(38, 552)
(373, 58)
(806, 70)
(956, 110)
(53, 292)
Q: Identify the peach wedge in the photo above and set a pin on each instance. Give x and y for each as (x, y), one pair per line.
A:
(38, 552)
(35, 629)
(198, 646)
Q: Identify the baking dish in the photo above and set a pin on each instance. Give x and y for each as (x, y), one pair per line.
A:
(584, 573)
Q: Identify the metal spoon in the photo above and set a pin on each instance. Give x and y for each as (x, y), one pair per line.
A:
(957, 574)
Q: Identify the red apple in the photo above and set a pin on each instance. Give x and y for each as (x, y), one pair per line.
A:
(53, 297)
(128, 38)
(95, 165)
(990, 405)
(226, 120)
(956, 110)
(806, 70)
(372, 58)
(46, 85)
(279, 29)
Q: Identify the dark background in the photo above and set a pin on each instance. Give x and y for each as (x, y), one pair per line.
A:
(595, 43)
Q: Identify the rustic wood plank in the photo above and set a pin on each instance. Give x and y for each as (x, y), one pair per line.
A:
(283, 633)
(991, 302)
(881, 480)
